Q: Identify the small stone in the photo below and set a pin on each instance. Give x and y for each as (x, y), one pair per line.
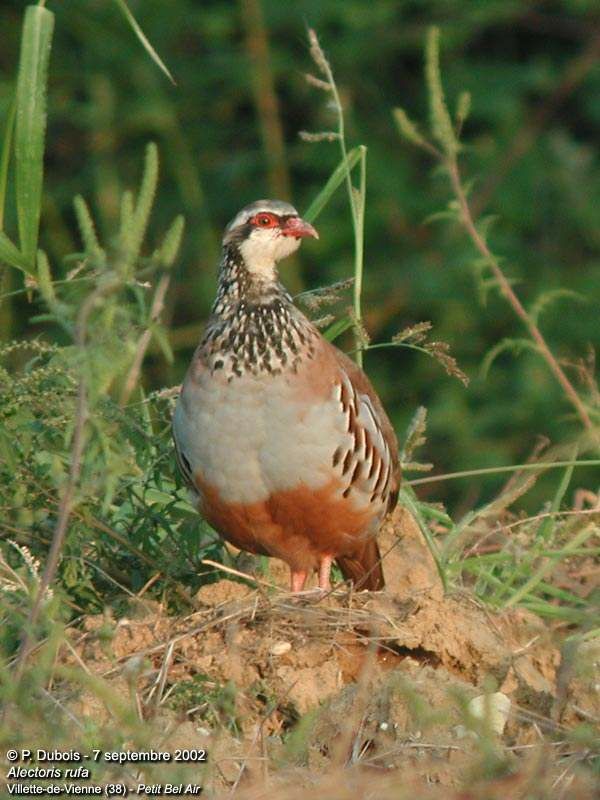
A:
(494, 708)
(279, 648)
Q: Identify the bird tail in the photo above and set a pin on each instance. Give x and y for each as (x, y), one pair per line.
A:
(363, 567)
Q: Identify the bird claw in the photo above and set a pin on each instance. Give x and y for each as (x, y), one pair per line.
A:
(306, 596)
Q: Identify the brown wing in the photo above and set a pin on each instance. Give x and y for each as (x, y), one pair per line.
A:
(371, 460)
(358, 396)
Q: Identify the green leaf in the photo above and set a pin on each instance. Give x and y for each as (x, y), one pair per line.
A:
(144, 41)
(547, 298)
(45, 279)
(10, 254)
(441, 124)
(172, 241)
(5, 157)
(484, 225)
(126, 218)
(463, 107)
(145, 198)
(450, 214)
(337, 177)
(30, 125)
(134, 222)
(408, 129)
(338, 327)
(514, 346)
(88, 232)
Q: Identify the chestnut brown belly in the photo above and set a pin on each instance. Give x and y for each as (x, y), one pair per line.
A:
(298, 525)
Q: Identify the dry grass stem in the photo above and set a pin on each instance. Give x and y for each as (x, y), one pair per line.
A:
(237, 573)
(510, 295)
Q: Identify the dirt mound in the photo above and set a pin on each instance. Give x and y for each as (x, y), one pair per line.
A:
(292, 688)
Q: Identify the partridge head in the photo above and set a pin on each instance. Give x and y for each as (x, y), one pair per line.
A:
(266, 232)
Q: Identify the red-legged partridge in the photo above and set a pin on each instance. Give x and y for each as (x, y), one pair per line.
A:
(280, 435)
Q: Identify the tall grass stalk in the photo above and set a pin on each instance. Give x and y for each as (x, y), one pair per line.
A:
(534, 467)
(446, 152)
(356, 195)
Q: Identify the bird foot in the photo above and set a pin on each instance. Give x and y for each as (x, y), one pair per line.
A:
(308, 596)
(324, 573)
(298, 580)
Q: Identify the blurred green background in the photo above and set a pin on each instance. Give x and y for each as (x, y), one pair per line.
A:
(228, 134)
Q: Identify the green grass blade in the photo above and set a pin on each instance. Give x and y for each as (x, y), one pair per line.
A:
(5, 157)
(550, 611)
(337, 177)
(337, 328)
(30, 125)
(143, 39)
(547, 527)
(11, 254)
(548, 566)
(408, 499)
(429, 512)
(562, 594)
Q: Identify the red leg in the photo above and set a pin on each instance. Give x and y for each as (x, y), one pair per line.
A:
(298, 580)
(324, 571)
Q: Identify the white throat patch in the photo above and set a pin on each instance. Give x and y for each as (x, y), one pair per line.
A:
(264, 248)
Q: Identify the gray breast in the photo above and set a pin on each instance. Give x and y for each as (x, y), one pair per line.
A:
(251, 437)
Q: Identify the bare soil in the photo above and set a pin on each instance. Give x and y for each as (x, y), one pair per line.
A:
(354, 694)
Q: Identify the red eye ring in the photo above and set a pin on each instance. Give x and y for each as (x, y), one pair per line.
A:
(265, 220)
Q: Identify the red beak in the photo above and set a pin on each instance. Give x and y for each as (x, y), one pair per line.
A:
(297, 227)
